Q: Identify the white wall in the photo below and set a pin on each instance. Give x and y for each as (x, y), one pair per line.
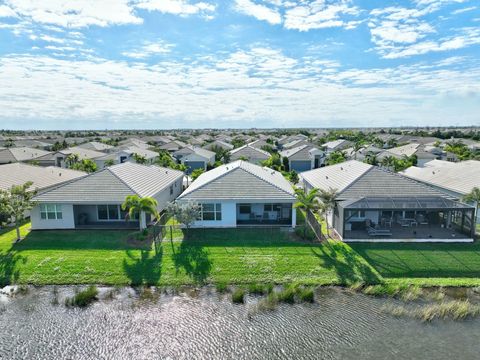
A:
(68, 221)
(164, 196)
(229, 215)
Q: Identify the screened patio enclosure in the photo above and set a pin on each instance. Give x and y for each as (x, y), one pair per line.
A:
(264, 214)
(416, 218)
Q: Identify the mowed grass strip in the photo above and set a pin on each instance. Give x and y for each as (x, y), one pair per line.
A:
(237, 256)
(424, 260)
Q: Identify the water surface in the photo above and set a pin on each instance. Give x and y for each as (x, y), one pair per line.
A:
(205, 325)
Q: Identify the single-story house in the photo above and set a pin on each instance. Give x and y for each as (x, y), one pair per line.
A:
(20, 154)
(94, 201)
(194, 157)
(400, 152)
(43, 178)
(59, 158)
(125, 154)
(134, 142)
(456, 179)
(219, 144)
(173, 146)
(373, 204)
(336, 145)
(304, 158)
(250, 154)
(97, 146)
(241, 193)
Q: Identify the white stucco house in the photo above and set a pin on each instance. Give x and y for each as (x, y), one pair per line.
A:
(242, 193)
(94, 201)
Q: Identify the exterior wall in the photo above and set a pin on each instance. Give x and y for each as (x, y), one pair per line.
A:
(68, 221)
(229, 215)
(301, 165)
(164, 196)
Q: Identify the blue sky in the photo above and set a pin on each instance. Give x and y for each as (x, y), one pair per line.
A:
(89, 64)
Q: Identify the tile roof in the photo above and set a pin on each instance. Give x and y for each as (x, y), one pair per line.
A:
(42, 177)
(239, 180)
(459, 177)
(15, 154)
(249, 152)
(113, 184)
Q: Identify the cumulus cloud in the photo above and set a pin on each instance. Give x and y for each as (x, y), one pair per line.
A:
(177, 7)
(258, 11)
(75, 14)
(149, 49)
(237, 89)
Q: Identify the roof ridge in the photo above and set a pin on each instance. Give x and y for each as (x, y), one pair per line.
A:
(264, 180)
(110, 170)
(70, 182)
(208, 182)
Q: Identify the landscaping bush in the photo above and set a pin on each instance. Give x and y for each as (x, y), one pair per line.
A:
(305, 232)
(238, 296)
(83, 298)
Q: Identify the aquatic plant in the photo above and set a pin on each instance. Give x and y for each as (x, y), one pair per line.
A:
(221, 287)
(83, 298)
(238, 296)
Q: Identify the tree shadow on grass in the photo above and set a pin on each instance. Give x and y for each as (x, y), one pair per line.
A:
(349, 266)
(9, 273)
(193, 258)
(145, 269)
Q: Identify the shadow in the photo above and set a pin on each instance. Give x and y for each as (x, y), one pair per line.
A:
(81, 239)
(144, 270)
(193, 259)
(9, 273)
(423, 260)
(349, 266)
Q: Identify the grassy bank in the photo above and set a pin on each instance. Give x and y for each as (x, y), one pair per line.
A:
(237, 256)
(228, 256)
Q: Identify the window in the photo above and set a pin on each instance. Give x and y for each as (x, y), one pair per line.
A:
(244, 209)
(211, 212)
(51, 212)
(272, 207)
(171, 189)
(110, 212)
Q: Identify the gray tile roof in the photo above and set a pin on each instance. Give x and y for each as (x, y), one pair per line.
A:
(42, 177)
(240, 180)
(95, 145)
(16, 154)
(302, 152)
(378, 182)
(337, 176)
(249, 152)
(113, 184)
(190, 149)
(459, 177)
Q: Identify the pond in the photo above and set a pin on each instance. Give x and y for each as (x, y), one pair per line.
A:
(201, 324)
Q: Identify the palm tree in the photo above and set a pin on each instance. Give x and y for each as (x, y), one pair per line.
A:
(306, 201)
(327, 199)
(371, 158)
(474, 196)
(357, 146)
(389, 161)
(138, 206)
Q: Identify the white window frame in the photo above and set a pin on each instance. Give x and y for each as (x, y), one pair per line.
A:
(217, 212)
(57, 211)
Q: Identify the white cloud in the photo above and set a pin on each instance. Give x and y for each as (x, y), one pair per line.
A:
(177, 7)
(461, 11)
(76, 14)
(49, 38)
(245, 88)
(258, 11)
(6, 11)
(149, 49)
(467, 37)
(320, 14)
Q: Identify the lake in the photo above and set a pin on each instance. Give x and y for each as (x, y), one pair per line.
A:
(201, 324)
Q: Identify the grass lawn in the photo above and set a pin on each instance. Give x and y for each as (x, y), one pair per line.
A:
(424, 264)
(209, 256)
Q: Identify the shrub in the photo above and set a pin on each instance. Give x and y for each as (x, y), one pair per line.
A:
(306, 294)
(83, 298)
(238, 296)
(260, 289)
(221, 287)
(287, 295)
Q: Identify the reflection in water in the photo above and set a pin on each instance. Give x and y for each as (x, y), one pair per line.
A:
(340, 325)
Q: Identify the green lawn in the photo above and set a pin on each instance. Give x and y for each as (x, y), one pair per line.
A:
(209, 256)
(229, 256)
(424, 264)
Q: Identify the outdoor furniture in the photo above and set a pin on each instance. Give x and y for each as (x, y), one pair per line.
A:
(378, 232)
